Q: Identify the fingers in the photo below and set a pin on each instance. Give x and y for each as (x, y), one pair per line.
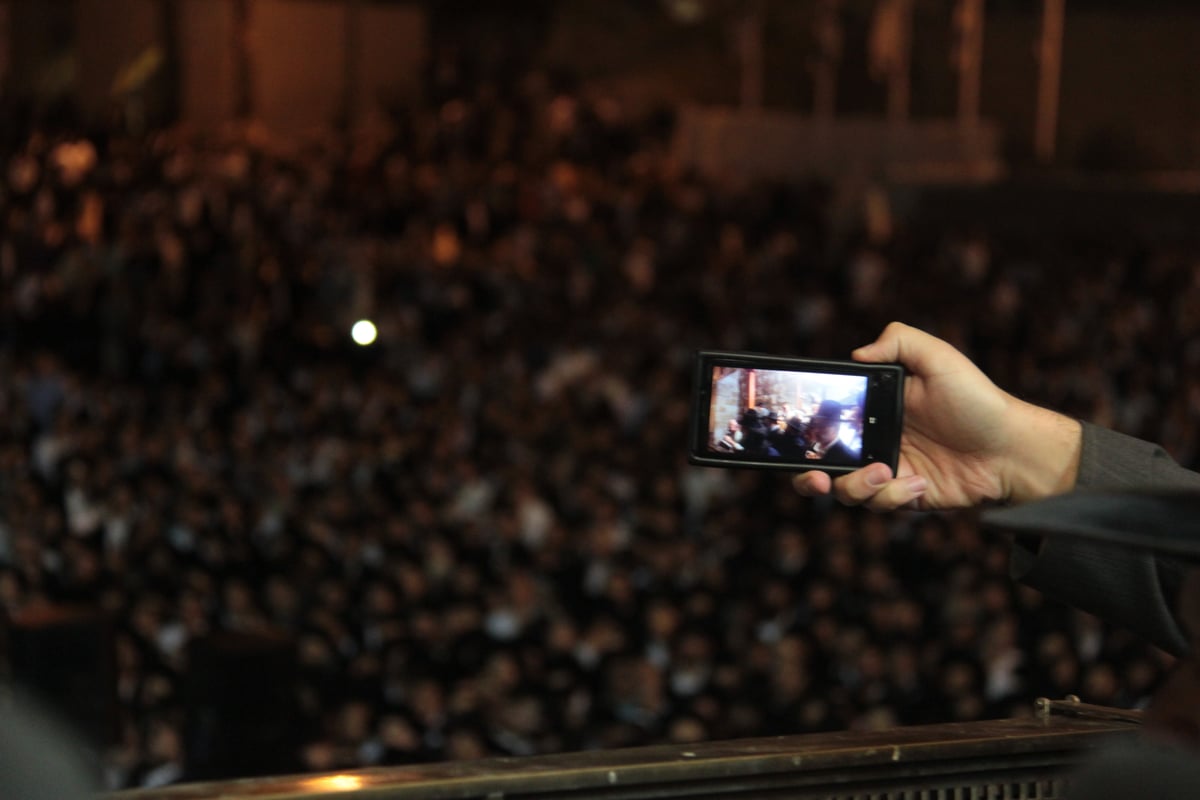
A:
(875, 488)
(888, 347)
(858, 487)
(872, 486)
(812, 484)
(904, 344)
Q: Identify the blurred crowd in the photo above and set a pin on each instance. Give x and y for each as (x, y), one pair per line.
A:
(480, 533)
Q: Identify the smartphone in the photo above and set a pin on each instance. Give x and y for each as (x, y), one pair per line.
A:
(776, 412)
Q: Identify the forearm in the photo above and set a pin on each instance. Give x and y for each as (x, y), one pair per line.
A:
(1111, 460)
(1127, 587)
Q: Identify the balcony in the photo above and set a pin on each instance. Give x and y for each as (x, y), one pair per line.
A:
(1012, 759)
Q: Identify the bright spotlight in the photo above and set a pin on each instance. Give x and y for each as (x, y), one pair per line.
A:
(363, 332)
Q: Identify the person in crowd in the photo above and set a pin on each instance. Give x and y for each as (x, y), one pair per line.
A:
(776, 427)
(757, 436)
(731, 440)
(824, 432)
(793, 443)
(787, 413)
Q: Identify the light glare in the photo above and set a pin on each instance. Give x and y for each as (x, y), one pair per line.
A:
(334, 783)
(363, 332)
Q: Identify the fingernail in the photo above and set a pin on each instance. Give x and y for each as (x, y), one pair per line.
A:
(916, 484)
(878, 478)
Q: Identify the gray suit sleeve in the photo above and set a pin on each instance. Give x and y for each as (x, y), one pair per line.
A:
(1129, 588)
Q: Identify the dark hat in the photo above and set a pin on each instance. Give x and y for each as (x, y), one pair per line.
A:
(1162, 520)
(829, 409)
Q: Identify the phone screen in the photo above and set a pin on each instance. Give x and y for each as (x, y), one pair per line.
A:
(795, 413)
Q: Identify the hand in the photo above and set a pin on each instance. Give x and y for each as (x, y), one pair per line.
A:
(965, 441)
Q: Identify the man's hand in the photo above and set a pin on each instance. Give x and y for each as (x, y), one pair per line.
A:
(964, 442)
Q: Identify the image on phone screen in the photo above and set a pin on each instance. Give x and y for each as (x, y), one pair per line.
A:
(781, 414)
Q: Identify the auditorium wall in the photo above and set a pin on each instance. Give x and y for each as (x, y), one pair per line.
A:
(301, 57)
(1130, 94)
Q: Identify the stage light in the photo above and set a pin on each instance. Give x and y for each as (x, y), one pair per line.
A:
(364, 332)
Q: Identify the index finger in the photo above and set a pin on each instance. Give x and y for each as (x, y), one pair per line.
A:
(917, 350)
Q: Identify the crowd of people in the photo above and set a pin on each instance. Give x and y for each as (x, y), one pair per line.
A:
(823, 436)
(480, 533)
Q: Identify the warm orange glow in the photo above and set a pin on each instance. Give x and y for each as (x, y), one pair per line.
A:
(334, 783)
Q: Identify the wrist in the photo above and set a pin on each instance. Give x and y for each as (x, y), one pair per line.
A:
(1044, 453)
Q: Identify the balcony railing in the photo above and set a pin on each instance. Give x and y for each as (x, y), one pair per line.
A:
(1012, 759)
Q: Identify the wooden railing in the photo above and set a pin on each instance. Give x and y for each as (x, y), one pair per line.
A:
(1014, 759)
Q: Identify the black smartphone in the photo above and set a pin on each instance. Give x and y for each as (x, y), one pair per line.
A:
(756, 410)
